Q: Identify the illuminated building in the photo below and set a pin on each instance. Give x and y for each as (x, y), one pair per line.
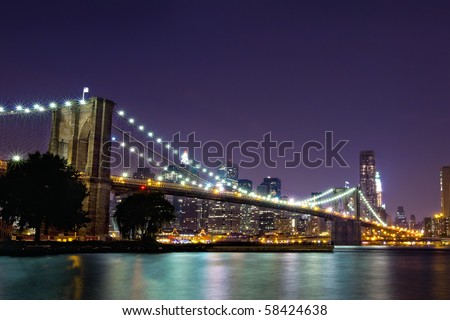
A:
(400, 218)
(367, 175)
(445, 191)
(273, 186)
(3, 166)
(379, 190)
(223, 218)
(440, 226)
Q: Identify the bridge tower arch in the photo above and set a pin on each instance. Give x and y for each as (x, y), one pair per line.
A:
(348, 232)
(81, 134)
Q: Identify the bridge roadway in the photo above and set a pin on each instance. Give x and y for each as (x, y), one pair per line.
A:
(125, 185)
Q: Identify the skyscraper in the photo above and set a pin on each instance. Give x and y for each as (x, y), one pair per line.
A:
(273, 185)
(400, 218)
(445, 191)
(367, 176)
(379, 190)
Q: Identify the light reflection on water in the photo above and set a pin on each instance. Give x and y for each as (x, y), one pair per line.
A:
(349, 273)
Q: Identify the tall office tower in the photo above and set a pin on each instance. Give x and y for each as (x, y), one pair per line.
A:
(400, 218)
(367, 173)
(445, 191)
(3, 167)
(190, 213)
(273, 185)
(223, 217)
(379, 190)
(428, 227)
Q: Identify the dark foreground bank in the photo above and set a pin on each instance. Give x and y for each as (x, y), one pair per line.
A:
(28, 249)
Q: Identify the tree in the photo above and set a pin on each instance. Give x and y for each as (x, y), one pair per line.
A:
(43, 191)
(142, 214)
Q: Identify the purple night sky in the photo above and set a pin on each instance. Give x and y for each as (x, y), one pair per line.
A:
(375, 72)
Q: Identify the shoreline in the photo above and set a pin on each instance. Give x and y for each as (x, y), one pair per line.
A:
(31, 249)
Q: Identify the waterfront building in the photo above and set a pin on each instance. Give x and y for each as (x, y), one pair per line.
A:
(445, 191)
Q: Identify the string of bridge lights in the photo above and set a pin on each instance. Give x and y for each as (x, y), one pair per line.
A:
(132, 149)
(183, 180)
(314, 198)
(372, 211)
(150, 134)
(337, 197)
(38, 107)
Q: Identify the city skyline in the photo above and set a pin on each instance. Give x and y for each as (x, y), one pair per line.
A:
(379, 85)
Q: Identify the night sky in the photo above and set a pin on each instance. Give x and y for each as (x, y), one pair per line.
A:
(375, 72)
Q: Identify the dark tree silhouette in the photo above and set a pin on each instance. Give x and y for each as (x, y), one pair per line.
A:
(43, 191)
(141, 215)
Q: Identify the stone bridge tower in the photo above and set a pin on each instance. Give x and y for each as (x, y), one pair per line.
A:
(80, 134)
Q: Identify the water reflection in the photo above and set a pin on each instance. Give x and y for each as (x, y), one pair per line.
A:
(349, 273)
(75, 288)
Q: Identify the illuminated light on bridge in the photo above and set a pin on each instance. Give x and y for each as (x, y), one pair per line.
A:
(314, 198)
(372, 211)
(2, 109)
(68, 103)
(16, 158)
(159, 140)
(19, 108)
(337, 197)
(52, 105)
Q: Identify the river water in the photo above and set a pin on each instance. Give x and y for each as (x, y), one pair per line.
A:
(348, 273)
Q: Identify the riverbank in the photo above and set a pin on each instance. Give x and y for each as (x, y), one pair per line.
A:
(29, 249)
